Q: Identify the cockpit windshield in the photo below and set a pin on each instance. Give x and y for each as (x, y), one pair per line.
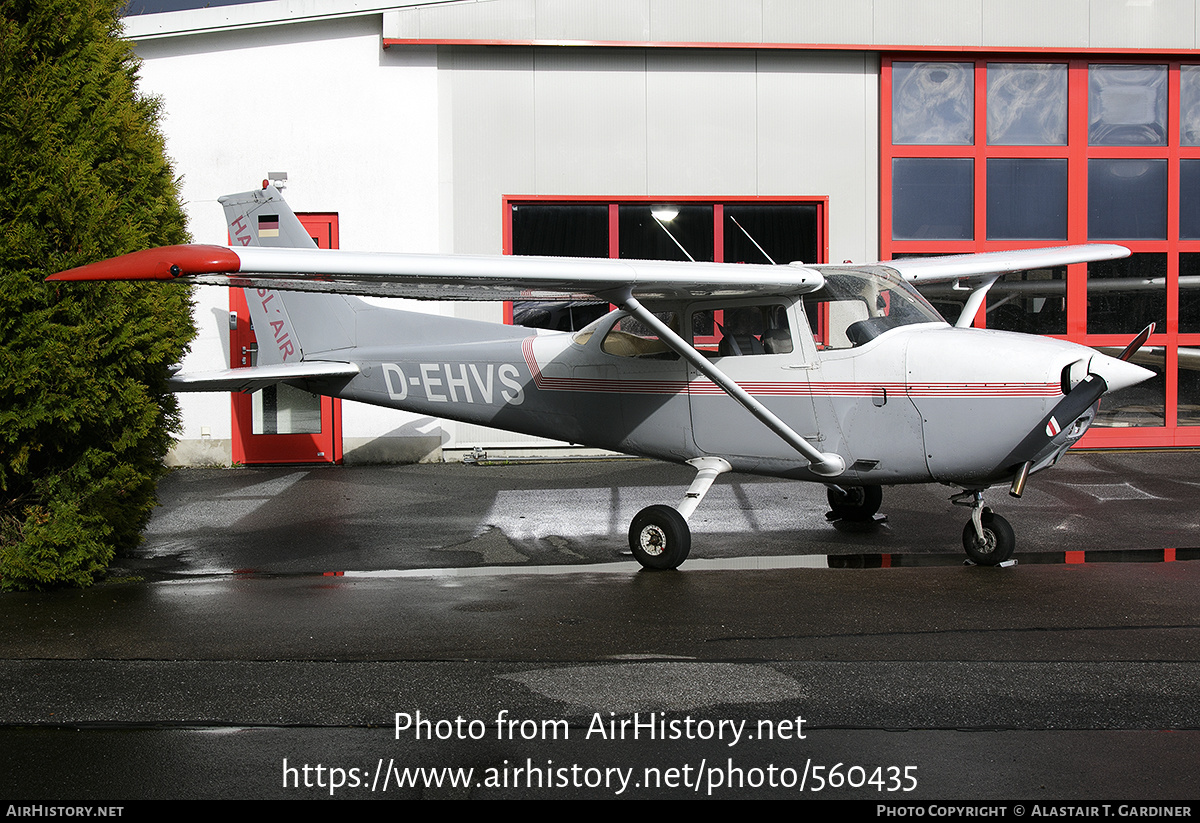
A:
(858, 305)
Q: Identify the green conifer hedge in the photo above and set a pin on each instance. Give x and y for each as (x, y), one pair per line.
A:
(85, 418)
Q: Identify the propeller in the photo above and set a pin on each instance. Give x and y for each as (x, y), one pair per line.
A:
(1136, 343)
(1103, 371)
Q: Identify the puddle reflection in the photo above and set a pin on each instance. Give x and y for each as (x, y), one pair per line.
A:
(807, 561)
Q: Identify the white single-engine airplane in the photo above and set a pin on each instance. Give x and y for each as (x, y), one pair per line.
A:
(839, 374)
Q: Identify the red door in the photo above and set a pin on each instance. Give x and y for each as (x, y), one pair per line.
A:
(281, 424)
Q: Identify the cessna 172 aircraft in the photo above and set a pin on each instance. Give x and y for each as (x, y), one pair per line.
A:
(839, 374)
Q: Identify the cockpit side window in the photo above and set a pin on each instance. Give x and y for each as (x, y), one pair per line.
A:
(856, 306)
(739, 331)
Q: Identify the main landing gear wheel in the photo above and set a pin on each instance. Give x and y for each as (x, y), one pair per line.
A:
(660, 538)
(855, 502)
(998, 540)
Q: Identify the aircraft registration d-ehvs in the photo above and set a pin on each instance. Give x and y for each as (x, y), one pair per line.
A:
(839, 374)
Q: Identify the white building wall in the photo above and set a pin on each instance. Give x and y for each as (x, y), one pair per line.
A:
(355, 128)
(717, 123)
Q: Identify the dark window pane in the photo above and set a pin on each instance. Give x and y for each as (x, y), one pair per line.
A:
(646, 237)
(1034, 302)
(932, 198)
(786, 233)
(1127, 105)
(1189, 105)
(1026, 199)
(1127, 199)
(1124, 296)
(1189, 386)
(933, 103)
(1189, 199)
(560, 230)
(1027, 104)
(1141, 405)
(1189, 293)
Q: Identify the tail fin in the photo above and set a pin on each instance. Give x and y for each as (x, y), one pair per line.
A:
(262, 218)
(298, 326)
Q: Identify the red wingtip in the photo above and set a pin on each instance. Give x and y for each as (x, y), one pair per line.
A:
(165, 263)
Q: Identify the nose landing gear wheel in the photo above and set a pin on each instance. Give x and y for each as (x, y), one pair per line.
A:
(857, 503)
(997, 544)
(659, 538)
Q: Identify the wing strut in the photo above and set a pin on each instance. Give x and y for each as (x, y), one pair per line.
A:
(974, 302)
(825, 464)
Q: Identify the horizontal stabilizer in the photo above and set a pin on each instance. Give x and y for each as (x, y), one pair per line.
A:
(253, 378)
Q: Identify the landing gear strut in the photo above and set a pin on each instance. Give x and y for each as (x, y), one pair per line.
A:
(659, 536)
(988, 538)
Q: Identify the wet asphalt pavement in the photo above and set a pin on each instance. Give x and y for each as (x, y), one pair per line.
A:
(279, 624)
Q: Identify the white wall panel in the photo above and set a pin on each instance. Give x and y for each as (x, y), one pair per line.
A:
(1036, 23)
(817, 125)
(590, 134)
(477, 20)
(493, 139)
(700, 122)
(818, 21)
(1143, 24)
(706, 21)
(612, 20)
(928, 22)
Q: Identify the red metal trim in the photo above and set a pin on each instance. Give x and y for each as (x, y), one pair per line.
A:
(163, 263)
(718, 232)
(886, 151)
(506, 204)
(1077, 190)
(614, 230)
(966, 51)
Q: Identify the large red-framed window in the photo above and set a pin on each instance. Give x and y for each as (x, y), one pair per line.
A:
(1002, 152)
(723, 230)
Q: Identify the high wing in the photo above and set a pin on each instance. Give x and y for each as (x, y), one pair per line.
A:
(447, 277)
(921, 270)
(983, 270)
(477, 277)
